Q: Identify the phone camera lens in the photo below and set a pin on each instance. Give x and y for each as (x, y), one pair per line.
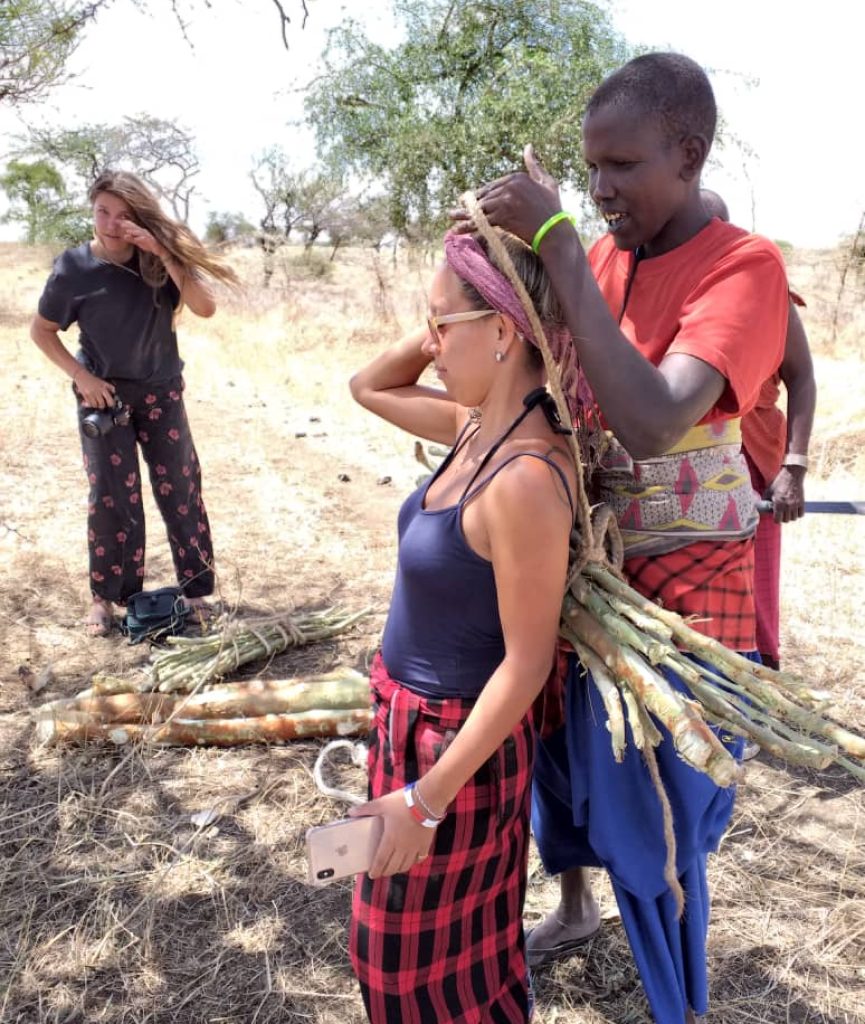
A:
(325, 873)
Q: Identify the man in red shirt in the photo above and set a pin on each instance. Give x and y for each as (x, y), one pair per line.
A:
(776, 449)
(678, 320)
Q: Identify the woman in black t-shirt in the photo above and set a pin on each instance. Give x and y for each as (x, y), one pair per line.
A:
(124, 289)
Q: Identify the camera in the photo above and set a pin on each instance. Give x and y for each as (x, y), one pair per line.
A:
(98, 422)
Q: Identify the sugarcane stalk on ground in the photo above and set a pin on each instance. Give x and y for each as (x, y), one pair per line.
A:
(78, 727)
(177, 704)
(190, 663)
(337, 690)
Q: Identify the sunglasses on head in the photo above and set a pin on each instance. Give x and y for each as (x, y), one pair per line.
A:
(434, 322)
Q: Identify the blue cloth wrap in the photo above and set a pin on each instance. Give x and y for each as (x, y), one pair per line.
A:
(588, 810)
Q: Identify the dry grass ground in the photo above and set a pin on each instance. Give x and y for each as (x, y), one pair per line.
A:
(115, 907)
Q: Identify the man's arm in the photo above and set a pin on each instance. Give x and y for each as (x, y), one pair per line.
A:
(787, 490)
(649, 408)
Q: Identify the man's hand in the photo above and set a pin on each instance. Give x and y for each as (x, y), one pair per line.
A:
(787, 494)
(518, 203)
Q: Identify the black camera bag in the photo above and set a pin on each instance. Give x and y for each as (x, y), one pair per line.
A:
(154, 614)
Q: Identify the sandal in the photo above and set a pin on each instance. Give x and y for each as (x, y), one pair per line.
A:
(547, 955)
(540, 956)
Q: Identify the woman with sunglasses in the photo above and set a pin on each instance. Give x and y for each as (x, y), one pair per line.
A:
(469, 642)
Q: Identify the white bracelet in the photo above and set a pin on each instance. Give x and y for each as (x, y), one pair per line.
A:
(793, 459)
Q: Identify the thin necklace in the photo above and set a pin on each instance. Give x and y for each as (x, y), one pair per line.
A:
(114, 263)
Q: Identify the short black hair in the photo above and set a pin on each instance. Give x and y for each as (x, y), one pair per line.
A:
(669, 86)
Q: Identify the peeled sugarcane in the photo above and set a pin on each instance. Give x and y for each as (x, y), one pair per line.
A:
(777, 710)
(341, 689)
(620, 636)
(786, 719)
(693, 739)
(78, 727)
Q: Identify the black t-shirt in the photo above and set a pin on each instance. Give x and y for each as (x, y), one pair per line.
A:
(125, 325)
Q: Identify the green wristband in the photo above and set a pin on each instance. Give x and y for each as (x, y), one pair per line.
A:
(540, 234)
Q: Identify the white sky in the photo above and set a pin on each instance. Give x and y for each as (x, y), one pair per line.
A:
(786, 74)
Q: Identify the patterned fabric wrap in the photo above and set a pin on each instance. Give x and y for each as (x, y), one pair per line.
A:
(444, 942)
(698, 490)
(470, 263)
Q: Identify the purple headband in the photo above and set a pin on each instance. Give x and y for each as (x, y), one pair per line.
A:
(470, 263)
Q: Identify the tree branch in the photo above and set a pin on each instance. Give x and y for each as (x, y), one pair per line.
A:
(285, 20)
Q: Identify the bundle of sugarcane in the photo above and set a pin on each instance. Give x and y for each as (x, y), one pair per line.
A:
(258, 711)
(190, 663)
(622, 638)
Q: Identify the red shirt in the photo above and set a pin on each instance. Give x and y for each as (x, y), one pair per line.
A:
(720, 297)
(764, 430)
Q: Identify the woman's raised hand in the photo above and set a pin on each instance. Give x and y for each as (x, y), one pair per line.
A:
(142, 239)
(519, 203)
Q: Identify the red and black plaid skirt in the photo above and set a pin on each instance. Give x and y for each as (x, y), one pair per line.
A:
(444, 942)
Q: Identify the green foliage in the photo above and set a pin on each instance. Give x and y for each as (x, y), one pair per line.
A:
(310, 201)
(39, 200)
(160, 152)
(453, 105)
(309, 265)
(37, 38)
(225, 228)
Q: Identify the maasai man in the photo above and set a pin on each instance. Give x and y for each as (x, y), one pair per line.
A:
(678, 320)
(776, 448)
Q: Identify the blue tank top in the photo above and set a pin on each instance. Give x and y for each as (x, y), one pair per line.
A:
(443, 636)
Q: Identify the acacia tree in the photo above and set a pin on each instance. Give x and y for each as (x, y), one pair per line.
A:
(37, 38)
(224, 228)
(278, 185)
(453, 105)
(160, 152)
(39, 200)
(310, 201)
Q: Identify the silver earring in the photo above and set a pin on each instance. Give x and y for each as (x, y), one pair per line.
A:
(500, 357)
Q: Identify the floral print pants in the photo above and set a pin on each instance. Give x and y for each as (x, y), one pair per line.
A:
(115, 520)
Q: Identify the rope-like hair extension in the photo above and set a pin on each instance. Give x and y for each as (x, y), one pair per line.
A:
(593, 541)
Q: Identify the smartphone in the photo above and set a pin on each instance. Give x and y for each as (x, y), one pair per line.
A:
(342, 848)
